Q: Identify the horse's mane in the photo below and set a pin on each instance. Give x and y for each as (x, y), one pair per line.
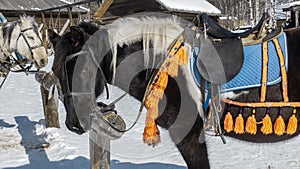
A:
(8, 28)
(155, 30)
(88, 27)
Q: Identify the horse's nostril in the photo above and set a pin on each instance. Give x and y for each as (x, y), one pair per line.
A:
(42, 62)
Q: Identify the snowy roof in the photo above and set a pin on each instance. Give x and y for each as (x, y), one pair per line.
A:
(32, 5)
(191, 6)
(290, 5)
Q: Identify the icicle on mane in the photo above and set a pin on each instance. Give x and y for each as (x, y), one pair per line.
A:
(158, 31)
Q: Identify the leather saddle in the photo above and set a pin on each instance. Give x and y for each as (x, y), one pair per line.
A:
(221, 55)
(217, 31)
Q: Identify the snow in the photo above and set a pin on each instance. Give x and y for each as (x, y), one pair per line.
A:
(23, 134)
(25, 143)
(192, 6)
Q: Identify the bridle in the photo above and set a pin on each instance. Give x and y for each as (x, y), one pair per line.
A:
(62, 67)
(17, 58)
(101, 108)
(31, 48)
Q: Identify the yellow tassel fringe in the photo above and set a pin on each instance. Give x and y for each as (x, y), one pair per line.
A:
(239, 125)
(279, 126)
(267, 127)
(228, 122)
(292, 125)
(251, 126)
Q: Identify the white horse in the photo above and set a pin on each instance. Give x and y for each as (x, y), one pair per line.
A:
(20, 42)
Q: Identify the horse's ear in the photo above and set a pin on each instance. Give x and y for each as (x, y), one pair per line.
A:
(78, 35)
(53, 36)
(76, 30)
(22, 19)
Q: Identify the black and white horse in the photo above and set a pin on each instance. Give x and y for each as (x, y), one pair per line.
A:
(128, 53)
(23, 39)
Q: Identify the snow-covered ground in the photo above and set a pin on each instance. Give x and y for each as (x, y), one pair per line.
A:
(23, 136)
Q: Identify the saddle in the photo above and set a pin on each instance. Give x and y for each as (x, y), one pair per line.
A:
(251, 71)
(217, 31)
(221, 55)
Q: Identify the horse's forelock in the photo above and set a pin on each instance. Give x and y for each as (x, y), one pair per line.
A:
(30, 21)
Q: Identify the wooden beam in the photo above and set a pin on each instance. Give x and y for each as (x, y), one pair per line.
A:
(63, 29)
(44, 31)
(70, 17)
(102, 9)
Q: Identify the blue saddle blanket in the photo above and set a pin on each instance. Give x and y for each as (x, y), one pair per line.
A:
(251, 73)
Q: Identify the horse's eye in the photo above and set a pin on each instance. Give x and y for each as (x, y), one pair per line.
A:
(30, 37)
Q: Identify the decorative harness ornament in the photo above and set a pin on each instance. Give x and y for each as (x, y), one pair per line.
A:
(177, 57)
(251, 124)
(155, 91)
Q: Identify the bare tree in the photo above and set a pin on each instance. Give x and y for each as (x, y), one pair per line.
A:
(246, 12)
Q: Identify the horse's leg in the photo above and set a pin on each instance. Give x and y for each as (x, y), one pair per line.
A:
(184, 123)
(193, 147)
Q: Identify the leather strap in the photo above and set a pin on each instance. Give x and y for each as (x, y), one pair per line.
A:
(264, 73)
(283, 71)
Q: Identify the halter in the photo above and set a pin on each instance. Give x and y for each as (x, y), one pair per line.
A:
(31, 48)
(102, 108)
(18, 57)
(63, 66)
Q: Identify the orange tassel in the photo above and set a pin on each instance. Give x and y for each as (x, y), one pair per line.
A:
(251, 125)
(151, 133)
(228, 122)
(156, 92)
(267, 125)
(292, 125)
(239, 124)
(279, 126)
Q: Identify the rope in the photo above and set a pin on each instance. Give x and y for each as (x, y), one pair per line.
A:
(4, 80)
(217, 109)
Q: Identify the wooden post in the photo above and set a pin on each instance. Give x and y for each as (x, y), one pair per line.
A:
(63, 29)
(101, 135)
(44, 31)
(70, 16)
(99, 150)
(50, 109)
